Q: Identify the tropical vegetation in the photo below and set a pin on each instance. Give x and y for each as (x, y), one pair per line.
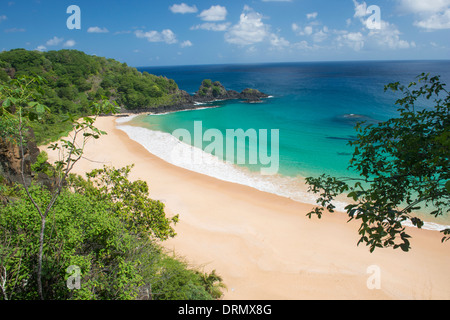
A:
(96, 237)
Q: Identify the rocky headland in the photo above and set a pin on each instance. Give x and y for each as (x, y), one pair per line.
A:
(208, 93)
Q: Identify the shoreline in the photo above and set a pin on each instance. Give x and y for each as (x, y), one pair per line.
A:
(276, 184)
(262, 244)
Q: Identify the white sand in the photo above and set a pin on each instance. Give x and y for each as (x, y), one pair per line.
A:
(263, 245)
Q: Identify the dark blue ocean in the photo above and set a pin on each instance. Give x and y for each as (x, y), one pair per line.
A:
(315, 107)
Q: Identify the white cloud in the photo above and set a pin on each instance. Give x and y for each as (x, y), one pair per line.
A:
(183, 8)
(386, 35)
(169, 37)
(215, 13)
(166, 36)
(354, 40)
(54, 41)
(3, 17)
(424, 6)
(151, 36)
(435, 21)
(210, 26)
(312, 15)
(249, 30)
(97, 30)
(41, 48)
(306, 31)
(432, 14)
(302, 45)
(321, 35)
(186, 44)
(69, 43)
(360, 9)
(278, 42)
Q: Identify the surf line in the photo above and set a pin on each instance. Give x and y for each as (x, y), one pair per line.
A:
(235, 143)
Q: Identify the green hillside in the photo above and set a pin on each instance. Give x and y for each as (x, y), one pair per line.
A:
(75, 79)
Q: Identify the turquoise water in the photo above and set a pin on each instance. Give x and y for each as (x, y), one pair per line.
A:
(314, 106)
(311, 105)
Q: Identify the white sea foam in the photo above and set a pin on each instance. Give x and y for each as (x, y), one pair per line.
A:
(126, 119)
(172, 150)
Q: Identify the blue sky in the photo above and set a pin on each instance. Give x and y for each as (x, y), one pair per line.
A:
(189, 32)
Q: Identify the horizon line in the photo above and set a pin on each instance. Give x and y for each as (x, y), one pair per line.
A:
(290, 62)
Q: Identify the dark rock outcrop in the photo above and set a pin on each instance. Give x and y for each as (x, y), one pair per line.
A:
(210, 91)
(11, 159)
(11, 162)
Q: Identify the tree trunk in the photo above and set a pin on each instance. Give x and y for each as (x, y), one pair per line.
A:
(41, 254)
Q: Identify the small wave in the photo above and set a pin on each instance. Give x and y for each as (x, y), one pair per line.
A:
(428, 226)
(170, 149)
(126, 119)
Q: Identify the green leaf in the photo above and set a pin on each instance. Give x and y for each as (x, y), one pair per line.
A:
(40, 109)
(7, 103)
(353, 195)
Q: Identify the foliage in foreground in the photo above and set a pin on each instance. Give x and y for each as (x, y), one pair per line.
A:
(404, 165)
(104, 229)
(117, 259)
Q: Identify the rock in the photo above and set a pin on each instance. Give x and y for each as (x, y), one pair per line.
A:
(11, 162)
(210, 91)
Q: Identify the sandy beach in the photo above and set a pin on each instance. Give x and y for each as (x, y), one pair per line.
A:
(263, 245)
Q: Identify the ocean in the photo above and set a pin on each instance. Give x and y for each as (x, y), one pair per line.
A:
(312, 111)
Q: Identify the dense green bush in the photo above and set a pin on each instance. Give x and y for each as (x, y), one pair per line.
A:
(116, 263)
(80, 232)
(117, 256)
(103, 228)
(74, 80)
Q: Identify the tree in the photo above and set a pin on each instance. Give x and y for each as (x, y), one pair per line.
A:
(130, 200)
(81, 232)
(21, 102)
(403, 165)
(213, 284)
